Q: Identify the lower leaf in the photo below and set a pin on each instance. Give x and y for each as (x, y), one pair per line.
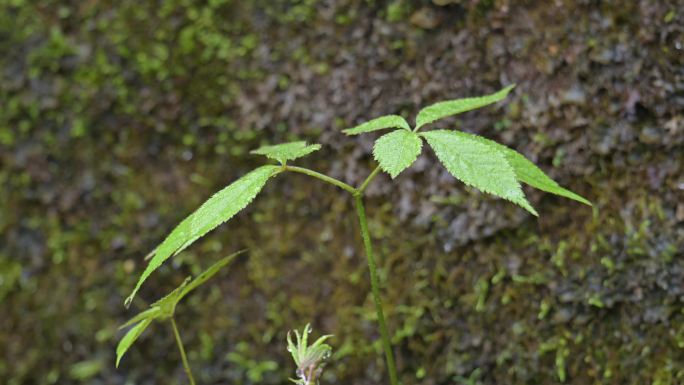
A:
(218, 209)
(130, 338)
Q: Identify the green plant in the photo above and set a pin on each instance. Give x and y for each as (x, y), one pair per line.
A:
(474, 160)
(164, 310)
(309, 359)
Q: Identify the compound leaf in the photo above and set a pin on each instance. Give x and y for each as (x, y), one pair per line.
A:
(452, 107)
(477, 164)
(381, 123)
(397, 150)
(527, 172)
(287, 151)
(218, 209)
(130, 338)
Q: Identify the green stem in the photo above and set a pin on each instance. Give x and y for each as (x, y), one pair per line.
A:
(322, 177)
(357, 193)
(181, 349)
(375, 288)
(366, 182)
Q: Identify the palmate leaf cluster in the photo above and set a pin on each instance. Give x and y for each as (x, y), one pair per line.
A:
(474, 160)
(164, 308)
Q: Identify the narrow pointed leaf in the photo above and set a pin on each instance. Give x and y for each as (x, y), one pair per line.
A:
(477, 164)
(207, 274)
(320, 340)
(218, 209)
(381, 123)
(301, 346)
(150, 313)
(292, 348)
(305, 336)
(397, 150)
(527, 172)
(287, 151)
(453, 107)
(130, 338)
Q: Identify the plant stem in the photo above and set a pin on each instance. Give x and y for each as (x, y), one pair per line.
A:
(357, 193)
(181, 349)
(366, 182)
(322, 177)
(375, 286)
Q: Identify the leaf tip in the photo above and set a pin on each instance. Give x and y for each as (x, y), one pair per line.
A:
(574, 196)
(583, 200)
(128, 300)
(119, 356)
(524, 203)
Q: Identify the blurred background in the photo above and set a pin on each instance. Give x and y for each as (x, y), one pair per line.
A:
(118, 118)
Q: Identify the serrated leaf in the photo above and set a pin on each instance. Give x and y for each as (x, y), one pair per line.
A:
(218, 209)
(397, 150)
(381, 123)
(477, 164)
(287, 151)
(130, 338)
(527, 172)
(453, 107)
(165, 307)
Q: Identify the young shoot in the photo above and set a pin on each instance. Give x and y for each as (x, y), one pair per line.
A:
(478, 162)
(309, 359)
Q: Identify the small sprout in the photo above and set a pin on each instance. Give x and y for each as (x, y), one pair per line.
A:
(310, 360)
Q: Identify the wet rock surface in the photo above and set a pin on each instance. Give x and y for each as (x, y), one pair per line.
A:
(119, 118)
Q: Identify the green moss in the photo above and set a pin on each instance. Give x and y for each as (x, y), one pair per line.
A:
(113, 112)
